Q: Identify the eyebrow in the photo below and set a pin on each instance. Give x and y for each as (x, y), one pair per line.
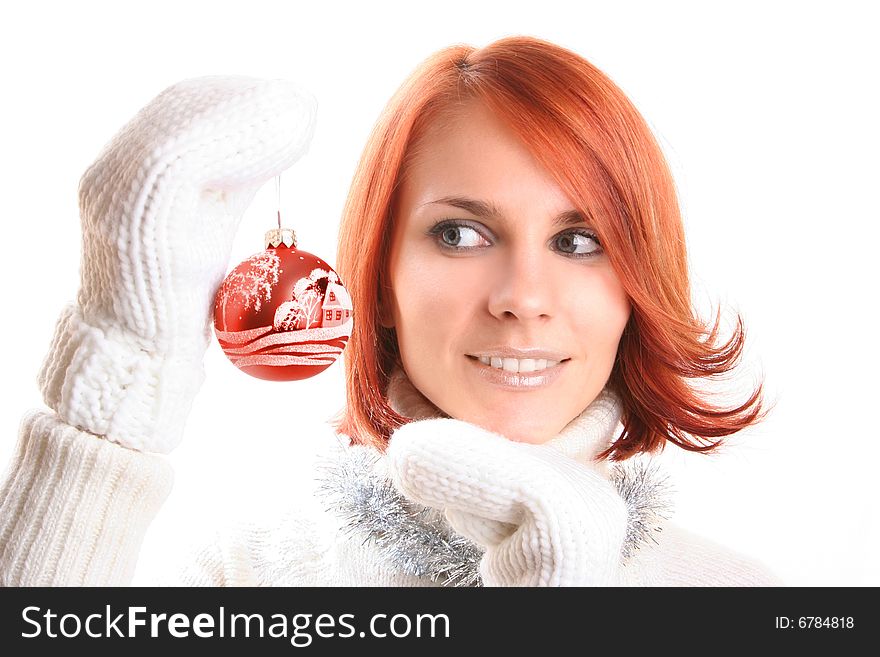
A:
(490, 211)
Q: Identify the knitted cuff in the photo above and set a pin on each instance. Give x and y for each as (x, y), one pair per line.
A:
(104, 382)
(74, 508)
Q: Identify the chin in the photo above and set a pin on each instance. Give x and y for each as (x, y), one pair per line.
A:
(518, 433)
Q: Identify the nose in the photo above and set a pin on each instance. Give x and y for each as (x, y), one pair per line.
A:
(523, 288)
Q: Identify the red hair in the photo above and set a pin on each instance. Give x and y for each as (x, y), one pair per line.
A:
(582, 128)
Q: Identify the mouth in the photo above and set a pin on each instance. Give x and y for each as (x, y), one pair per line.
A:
(518, 365)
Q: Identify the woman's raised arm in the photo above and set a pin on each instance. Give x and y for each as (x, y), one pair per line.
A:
(159, 210)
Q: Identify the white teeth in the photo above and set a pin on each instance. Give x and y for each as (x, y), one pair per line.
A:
(516, 365)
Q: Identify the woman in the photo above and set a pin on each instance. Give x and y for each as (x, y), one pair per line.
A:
(514, 251)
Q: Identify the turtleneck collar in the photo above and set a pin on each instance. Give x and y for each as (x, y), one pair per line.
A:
(586, 436)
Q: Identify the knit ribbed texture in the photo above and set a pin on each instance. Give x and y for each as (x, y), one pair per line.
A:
(544, 518)
(103, 381)
(74, 508)
(159, 209)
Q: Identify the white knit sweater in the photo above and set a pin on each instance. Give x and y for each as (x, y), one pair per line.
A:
(74, 509)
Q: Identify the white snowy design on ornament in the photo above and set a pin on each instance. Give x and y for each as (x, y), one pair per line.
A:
(337, 306)
(299, 313)
(263, 346)
(252, 284)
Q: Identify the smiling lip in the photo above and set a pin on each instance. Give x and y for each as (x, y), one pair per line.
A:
(516, 381)
(503, 351)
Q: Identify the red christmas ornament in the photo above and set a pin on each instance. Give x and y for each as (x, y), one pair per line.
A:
(282, 314)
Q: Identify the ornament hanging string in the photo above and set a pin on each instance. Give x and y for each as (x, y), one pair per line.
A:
(278, 198)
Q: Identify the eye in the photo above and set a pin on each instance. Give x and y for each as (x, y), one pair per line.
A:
(578, 243)
(457, 236)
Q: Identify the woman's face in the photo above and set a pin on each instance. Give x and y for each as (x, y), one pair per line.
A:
(490, 262)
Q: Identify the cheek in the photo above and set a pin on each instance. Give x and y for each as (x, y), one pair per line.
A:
(602, 320)
(432, 299)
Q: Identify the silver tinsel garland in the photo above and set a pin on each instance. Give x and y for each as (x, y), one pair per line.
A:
(646, 493)
(417, 540)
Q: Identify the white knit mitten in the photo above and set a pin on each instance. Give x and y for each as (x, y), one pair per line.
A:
(544, 518)
(159, 209)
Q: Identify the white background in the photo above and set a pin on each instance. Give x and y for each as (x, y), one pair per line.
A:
(768, 115)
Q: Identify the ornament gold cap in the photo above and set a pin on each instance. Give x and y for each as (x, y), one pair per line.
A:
(278, 236)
